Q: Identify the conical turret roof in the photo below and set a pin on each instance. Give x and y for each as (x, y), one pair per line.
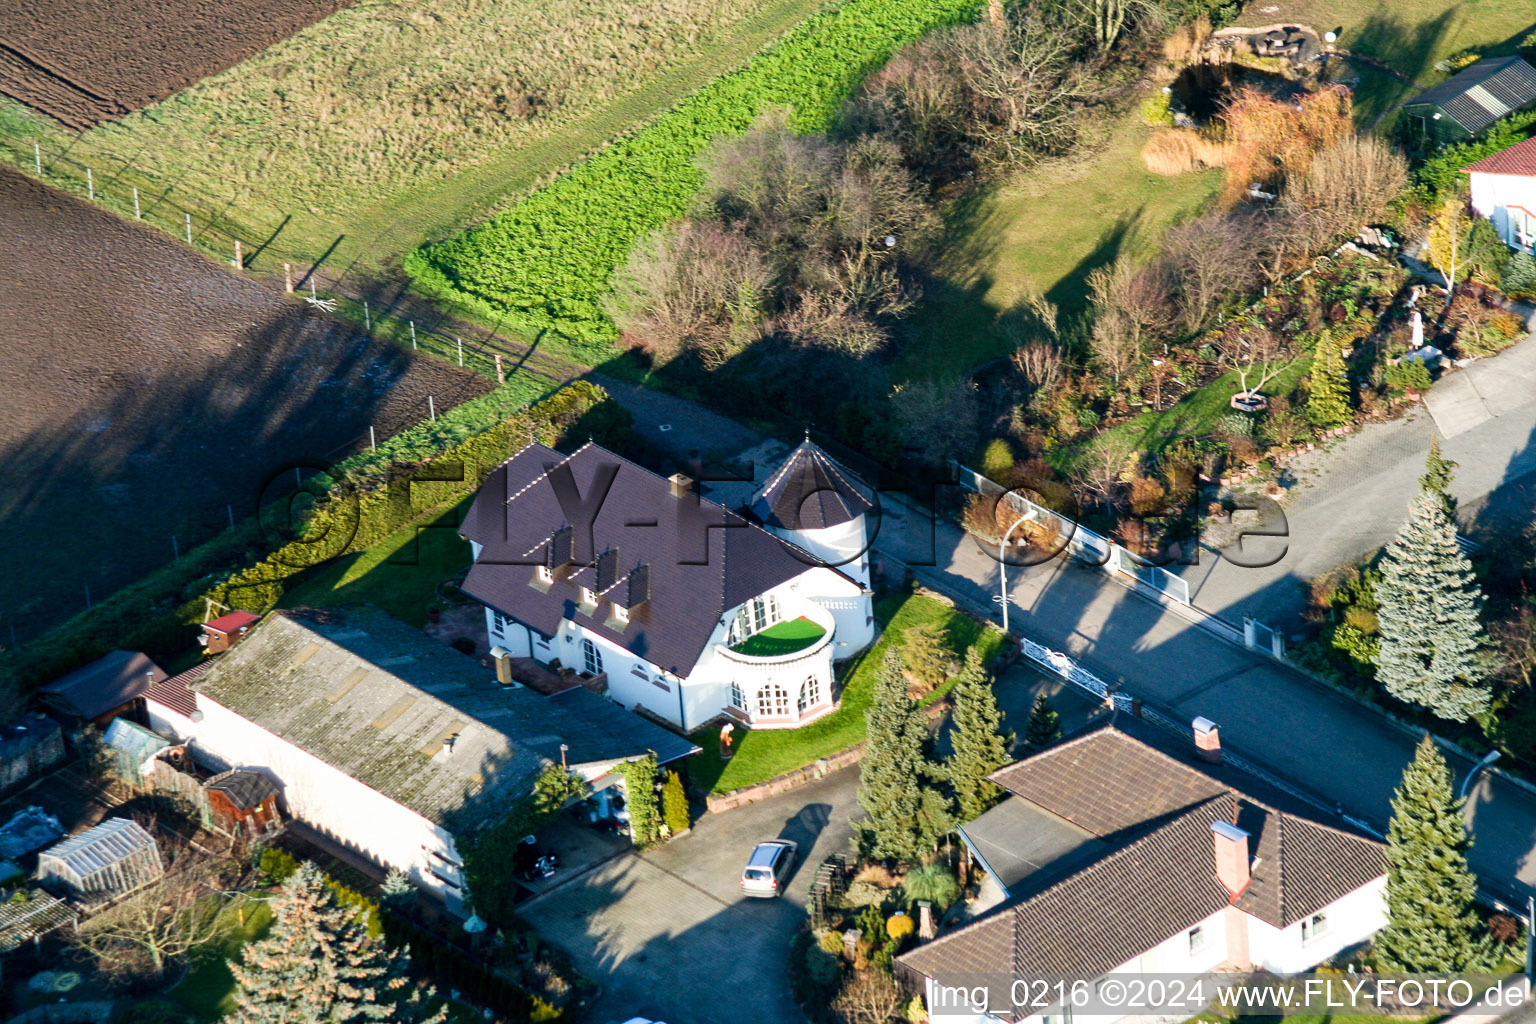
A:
(811, 492)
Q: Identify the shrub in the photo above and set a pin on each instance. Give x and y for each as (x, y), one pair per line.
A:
(674, 804)
(1504, 929)
(879, 874)
(997, 461)
(899, 926)
(822, 965)
(1148, 497)
(932, 882)
(864, 894)
(1408, 375)
(1363, 619)
(276, 866)
(1519, 278)
(549, 258)
(831, 942)
(1158, 110)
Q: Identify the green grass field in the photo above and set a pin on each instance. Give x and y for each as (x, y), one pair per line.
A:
(209, 989)
(1045, 230)
(394, 123)
(781, 638)
(762, 754)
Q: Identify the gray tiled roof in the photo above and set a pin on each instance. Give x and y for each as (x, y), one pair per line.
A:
(1153, 811)
(640, 530)
(810, 492)
(244, 788)
(1481, 94)
(108, 682)
(402, 713)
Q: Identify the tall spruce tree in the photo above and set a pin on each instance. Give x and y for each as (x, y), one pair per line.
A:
(1044, 727)
(1433, 927)
(1429, 606)
(1328, 394)
(318, 964)
(906, 814)
(978, 744)
(1438, 473)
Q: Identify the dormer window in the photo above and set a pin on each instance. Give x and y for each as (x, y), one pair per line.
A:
(588, 598)
(544, 575)
(620, 613)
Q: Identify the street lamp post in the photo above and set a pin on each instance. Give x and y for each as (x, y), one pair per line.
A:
(1002, 568)
(1493, 755)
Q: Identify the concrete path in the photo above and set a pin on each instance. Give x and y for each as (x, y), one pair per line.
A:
(1353, 497)
(668, 933)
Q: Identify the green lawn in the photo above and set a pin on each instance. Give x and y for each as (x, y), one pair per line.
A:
(400, 574)
(1197, 415)
(785, 637)
(762, 754)
(209, 988)
(1046, 230)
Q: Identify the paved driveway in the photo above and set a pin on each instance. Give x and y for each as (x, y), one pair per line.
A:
(668, 934)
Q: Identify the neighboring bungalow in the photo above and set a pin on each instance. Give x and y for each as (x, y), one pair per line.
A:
(103, 862)
(1471, 100)
(99, 692)
(394, 744)
(1504, 191)
(1121, 851)
(680, 605)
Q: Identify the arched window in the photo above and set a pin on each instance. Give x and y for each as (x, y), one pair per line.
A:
(810, 693)
(773, 701)
(738, 699)
(591, 658)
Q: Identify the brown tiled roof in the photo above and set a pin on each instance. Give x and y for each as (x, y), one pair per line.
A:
(678, 563)
(175, 693)
(1159, 879)
(810, 492)
(1519, 159)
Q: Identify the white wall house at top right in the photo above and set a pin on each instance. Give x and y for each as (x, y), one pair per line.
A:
(1504, 191)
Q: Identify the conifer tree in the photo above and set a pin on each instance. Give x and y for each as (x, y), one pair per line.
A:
(1328, 395)
(906, 814)
(318, 964)
(1438, 473)
(978, 744)
(674, 804)
(397, 889)
(1044, 727)
(1434, 927)
(925, 654)
(1429, 606)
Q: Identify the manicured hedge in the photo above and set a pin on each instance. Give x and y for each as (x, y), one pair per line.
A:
(548, 259)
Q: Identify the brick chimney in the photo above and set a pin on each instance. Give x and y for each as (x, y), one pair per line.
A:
(1207, 740)
(1231, 857)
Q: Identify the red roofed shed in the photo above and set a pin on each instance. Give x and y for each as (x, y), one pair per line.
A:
(222, 633)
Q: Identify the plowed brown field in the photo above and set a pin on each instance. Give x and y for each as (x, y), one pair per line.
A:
(145, 389)
(85, 61)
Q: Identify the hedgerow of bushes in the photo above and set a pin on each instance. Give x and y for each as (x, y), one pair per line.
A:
(549, 258)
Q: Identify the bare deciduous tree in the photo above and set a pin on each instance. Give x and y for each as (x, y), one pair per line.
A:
(1039, 362)
(1025, 78)
(1100, 468)
(156, 927)
(867, 997)
(1132, 308)
(1347, 186)
(1213, 261)
(1257, 354)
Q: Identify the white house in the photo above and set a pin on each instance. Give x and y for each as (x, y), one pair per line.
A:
(391, 743)
(684, 607)
(1504, 191)
(1120, 854)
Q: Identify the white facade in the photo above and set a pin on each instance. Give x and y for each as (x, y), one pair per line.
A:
(772, 692)
(333, 803)
(1213, 943)
(1509, 201)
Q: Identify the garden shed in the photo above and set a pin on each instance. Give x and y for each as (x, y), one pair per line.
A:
(110, 859)
(1470, 100)
(31, 914)
(102, 690)
(243, 797)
